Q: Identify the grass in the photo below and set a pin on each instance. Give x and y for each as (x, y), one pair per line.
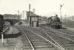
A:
(69, 23)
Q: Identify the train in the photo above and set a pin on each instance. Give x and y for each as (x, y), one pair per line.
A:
(55, 22)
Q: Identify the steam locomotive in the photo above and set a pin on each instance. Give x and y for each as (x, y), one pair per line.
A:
(55, 22)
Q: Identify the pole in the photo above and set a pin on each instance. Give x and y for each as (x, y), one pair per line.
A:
(33, 10)
(30, 13)
(18, 16)
(60, 12)
(23, 13)
(2, 38)
(29, 7)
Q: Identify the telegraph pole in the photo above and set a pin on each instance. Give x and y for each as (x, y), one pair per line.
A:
(33, 10)
(18, 16)
(29, 7)
(30, 13)
(61, 12)
(23, 13)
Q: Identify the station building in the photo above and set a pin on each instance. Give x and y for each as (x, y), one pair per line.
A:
(33, 19)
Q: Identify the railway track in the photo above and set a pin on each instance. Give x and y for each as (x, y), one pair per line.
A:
(60, 33)
(63, 39)
(66, 31)
(35, 42)
(41, 36)
(34, 38)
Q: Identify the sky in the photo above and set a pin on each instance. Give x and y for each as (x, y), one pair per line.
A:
(42, 7)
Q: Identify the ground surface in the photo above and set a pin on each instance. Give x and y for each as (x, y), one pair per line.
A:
(63, 37)
(9, 43)
(41, 38)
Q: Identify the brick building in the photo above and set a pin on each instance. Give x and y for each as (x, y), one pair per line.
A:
(33, 19)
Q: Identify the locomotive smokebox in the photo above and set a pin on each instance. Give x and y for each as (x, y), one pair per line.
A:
(55, 22)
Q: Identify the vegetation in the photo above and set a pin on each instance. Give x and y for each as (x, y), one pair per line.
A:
(69, 23)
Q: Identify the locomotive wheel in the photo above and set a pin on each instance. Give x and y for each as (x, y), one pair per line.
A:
(59, 26)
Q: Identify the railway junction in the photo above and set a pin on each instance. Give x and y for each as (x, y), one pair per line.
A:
(39, 38)
(43, 38)
(36, 34)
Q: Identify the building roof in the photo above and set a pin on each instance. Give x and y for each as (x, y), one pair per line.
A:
(29, 13)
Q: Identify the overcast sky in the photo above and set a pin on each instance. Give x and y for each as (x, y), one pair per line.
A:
(43, 7)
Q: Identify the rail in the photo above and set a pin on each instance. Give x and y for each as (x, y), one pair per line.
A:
(55, 44)
(54, 41)
(32, 46)
(60, 34)
(30, 42)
